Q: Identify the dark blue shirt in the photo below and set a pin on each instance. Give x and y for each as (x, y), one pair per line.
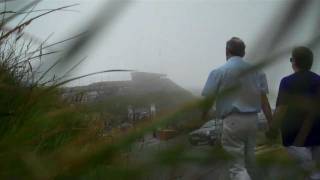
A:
(299, 92)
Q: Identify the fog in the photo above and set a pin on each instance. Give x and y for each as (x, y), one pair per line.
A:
(184, 39)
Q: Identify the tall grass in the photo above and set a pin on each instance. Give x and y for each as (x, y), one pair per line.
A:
(43, 137)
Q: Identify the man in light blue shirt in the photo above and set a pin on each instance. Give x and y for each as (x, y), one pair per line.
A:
(239, 93)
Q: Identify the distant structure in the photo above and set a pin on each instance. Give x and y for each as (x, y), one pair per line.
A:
(139, 113)
(141, 99)
(141, 83)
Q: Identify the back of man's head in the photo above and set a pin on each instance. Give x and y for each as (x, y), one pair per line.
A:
(302, 57)
(236, 47)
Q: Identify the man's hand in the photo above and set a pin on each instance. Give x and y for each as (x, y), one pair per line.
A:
(265, 105)
(272, 134)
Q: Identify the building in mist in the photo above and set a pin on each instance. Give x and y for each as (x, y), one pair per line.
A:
(141, 83)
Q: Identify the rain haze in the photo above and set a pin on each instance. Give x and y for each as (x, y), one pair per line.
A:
(112, 89)
(184, 39)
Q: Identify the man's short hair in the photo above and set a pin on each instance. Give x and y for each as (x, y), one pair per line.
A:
(236, 47)
(303, 57)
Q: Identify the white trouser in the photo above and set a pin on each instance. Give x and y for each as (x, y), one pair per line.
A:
(308, 158)
(239, 140)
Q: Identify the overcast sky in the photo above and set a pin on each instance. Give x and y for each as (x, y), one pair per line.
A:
(184, 39)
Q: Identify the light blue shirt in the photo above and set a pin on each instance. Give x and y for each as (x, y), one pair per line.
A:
(235, 92)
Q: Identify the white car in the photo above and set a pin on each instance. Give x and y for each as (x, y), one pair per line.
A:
(209, 133)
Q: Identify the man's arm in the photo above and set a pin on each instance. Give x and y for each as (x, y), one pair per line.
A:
(206, 106)
(276, 122)
(265, 105)
(311, 107)
(209, 92)
(280, 111)
(304, 131)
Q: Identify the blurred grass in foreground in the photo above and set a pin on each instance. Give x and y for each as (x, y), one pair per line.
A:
(43, 137)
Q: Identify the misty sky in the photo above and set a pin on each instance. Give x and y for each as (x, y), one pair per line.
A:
(184, 39)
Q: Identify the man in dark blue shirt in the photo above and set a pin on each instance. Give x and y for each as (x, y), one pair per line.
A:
(297, 112)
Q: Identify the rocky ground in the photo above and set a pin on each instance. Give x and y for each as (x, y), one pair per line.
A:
(145, 150)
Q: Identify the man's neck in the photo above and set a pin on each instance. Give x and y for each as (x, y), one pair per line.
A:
(300, 70)
(233, 57)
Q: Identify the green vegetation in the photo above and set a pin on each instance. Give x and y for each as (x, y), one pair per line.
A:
(43, 137)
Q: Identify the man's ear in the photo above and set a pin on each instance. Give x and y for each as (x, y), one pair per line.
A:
(227, 54)
(294, 67)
